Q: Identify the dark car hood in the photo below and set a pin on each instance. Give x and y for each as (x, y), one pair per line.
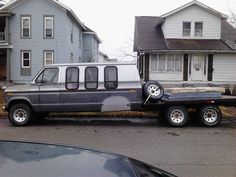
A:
(19, 159)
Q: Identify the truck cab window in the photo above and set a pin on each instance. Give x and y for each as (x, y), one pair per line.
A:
(72, 78)
(91, 78)
(110, 77)
(48, 76)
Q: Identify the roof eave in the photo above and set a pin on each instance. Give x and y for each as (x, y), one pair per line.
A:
(6, 13)
(95, 34)
(186, 51)
(223, 16)
(72, 15)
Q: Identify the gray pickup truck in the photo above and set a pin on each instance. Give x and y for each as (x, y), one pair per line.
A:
(100, 87)
(78, 88)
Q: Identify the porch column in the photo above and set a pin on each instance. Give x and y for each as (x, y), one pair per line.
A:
(140, 68)
(185, 72)
(8, 65)
(146, 67)
(210, 67)
(7, 29)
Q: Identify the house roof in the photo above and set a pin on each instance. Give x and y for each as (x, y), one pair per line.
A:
(149, 36)
(91, 32)
(228, 33)
(199, 4)
(188, 44)
(69, 11)
(103, 54)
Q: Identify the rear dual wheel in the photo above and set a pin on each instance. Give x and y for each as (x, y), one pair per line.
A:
(210, 116)
(177, 116)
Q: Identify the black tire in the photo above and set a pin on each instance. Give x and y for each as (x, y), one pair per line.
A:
(210, 116)
(20, 115)
(154, 89)
(177, 116)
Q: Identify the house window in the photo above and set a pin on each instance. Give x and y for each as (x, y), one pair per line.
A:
(48, 27)
(110, 77)
(161, 66)
(166, 63)
(25, 27)
(178, 63)
(91, 78)
(186, 28)
(72, 78)
(198, 29)
(154, 60)
(170, 63)
(48, 57)
(25, 59)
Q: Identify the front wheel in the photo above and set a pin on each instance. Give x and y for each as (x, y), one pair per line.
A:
(20, 115)
(210, 116)
(177, 116)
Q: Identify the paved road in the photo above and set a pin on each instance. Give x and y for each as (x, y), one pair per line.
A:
(192, 151)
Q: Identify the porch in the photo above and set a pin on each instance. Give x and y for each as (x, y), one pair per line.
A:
(5, 46)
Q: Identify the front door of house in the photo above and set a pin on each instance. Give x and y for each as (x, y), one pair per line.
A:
(197, 67)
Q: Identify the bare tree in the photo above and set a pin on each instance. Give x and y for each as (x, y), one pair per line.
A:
(232, 18)
(126, 52)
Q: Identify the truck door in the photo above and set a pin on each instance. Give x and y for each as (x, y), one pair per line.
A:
(49, 90)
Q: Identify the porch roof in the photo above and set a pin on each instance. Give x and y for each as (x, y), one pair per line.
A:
(193, 44)
(6, 13)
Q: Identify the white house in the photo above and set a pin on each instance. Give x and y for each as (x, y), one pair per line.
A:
(191, 44)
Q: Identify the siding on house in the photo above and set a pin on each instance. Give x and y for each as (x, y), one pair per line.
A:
(90, 48)
(173, 25)
(166, 76)
(224, 67)
(37, 44)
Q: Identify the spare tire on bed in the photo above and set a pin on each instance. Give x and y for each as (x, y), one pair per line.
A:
(154, 89)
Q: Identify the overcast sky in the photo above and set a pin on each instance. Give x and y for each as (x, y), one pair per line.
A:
(113, 20)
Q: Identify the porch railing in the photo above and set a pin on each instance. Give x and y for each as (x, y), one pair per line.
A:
(2, 37)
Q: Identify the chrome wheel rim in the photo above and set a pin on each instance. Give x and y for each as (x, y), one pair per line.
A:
(210, 116)
(177, 116)
(154, 90)
(19, 115)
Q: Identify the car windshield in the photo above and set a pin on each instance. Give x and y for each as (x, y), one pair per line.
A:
(28, 160)
(145, 170)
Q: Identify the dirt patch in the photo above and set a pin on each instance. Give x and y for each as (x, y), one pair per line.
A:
(228, 111)
(2, 113)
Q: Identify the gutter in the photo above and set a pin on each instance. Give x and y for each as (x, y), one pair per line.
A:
(189, 51)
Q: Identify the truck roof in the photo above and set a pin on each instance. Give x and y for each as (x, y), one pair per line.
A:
(92, 64)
